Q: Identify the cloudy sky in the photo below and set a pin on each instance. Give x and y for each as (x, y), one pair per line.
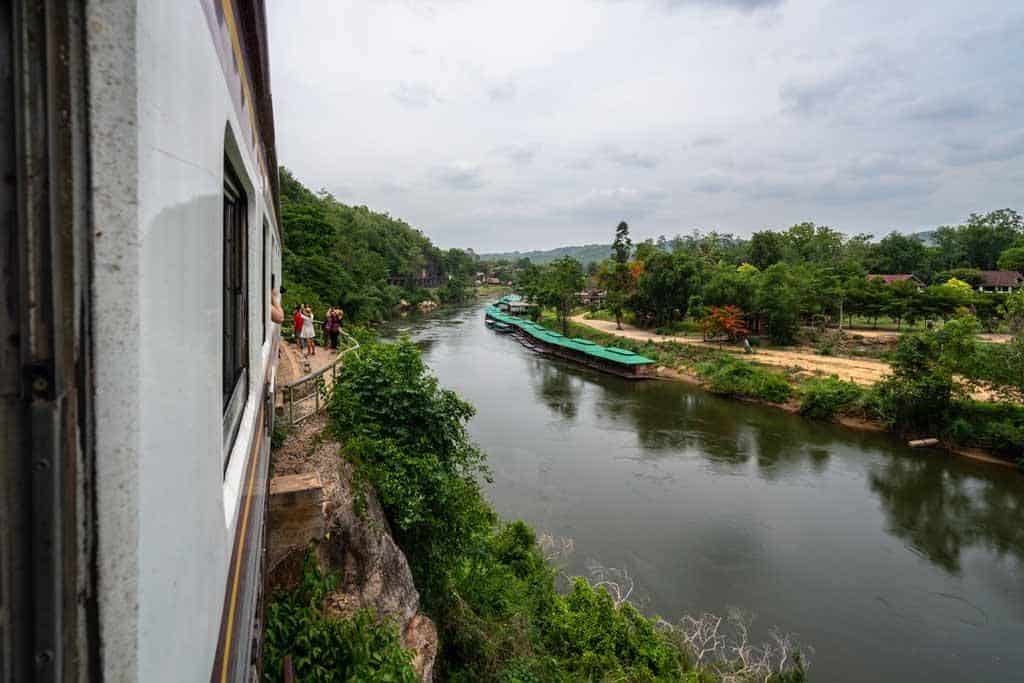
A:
(503, 125)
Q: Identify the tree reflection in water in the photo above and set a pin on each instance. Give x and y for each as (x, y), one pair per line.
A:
(559, 390)
(941, 510)
(728, 433)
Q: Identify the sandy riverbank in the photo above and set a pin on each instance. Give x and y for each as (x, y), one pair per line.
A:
(863, 371)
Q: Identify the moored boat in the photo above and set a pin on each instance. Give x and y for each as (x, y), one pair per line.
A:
(535, 336)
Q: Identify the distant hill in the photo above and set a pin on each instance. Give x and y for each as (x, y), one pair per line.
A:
(586, 253)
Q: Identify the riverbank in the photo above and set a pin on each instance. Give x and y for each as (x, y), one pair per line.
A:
(802, 367)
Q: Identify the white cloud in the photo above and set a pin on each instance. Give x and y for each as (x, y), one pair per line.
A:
(499, 125)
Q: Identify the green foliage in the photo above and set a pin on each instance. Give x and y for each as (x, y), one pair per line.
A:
(617, 280)
(996, 426)
(899, 253)
(599, 640)
(408, 437)
(822, 398)
(323, 649)
(979, 242)
(766, 248)
(919, 394)
(339, 255)
(666, 284)
(622, 247)
(735, 377)
(278, 436)
(554, 285)
(1012, 259)
(777, 299)
(1015, 312)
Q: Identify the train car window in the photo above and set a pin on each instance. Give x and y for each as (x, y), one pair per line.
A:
(236, 304)
(264, 292)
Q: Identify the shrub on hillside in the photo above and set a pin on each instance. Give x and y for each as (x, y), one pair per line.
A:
(997, 426)
(360, 648)
(822, 398)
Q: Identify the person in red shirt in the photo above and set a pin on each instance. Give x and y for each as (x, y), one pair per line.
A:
(297, 324)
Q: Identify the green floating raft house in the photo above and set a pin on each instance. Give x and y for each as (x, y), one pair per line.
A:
(539, 338)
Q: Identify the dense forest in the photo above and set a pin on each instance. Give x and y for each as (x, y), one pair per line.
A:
(808, 273)
(364, 261)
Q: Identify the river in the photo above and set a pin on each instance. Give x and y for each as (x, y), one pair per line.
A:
(892, 564)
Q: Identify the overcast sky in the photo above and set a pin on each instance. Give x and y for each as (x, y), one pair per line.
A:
(513, 124)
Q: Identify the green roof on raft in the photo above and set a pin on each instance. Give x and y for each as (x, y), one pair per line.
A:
(537, 331)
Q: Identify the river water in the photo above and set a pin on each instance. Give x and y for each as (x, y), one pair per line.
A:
(894, 565)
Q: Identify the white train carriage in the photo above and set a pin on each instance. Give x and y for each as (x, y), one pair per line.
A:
(137, 353)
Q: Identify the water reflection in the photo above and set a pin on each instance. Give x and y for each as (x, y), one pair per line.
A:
(559, 390)
(941, 512)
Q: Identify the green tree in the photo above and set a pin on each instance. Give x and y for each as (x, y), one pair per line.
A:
(617, 280)
(1012, 259)
(766, 248)
(622, 247)
(665, 286)
(898, 253)
(777, 300)
(560, 282)
(814, 243)
(979, 242)
(1015, 312)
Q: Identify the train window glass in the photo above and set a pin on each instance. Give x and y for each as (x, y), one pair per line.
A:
(264, 292)
(236, 304)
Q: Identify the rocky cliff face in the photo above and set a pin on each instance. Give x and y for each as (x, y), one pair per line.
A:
(357, 545)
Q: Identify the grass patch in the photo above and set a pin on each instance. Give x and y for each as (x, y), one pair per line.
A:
(735, 377)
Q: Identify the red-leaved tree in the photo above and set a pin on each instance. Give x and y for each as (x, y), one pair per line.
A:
(727, 320)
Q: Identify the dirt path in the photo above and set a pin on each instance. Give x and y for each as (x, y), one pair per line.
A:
(864, 371)
(892, 335)
(293, 363)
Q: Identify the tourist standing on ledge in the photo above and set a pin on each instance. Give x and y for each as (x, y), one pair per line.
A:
(308, 333)
(297, 325)
(332, 326)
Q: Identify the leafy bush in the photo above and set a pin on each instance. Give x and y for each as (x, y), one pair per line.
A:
(734, 377)
(408, 437)
(278, 436)
(825, 347)
(599, 639)
(323, 649)
(823, 398)
(917, 404)
(997, 426)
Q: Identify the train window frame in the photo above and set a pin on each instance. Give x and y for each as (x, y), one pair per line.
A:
(235, 300)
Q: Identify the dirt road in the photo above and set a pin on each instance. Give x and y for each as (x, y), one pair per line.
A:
(864, 371)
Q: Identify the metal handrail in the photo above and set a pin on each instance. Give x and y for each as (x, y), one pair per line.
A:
(318, 382)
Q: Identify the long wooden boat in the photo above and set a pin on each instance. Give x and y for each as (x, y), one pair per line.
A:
(610, 359)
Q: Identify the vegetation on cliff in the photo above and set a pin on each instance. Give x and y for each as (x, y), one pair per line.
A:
(364, 261)
(324, 649)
